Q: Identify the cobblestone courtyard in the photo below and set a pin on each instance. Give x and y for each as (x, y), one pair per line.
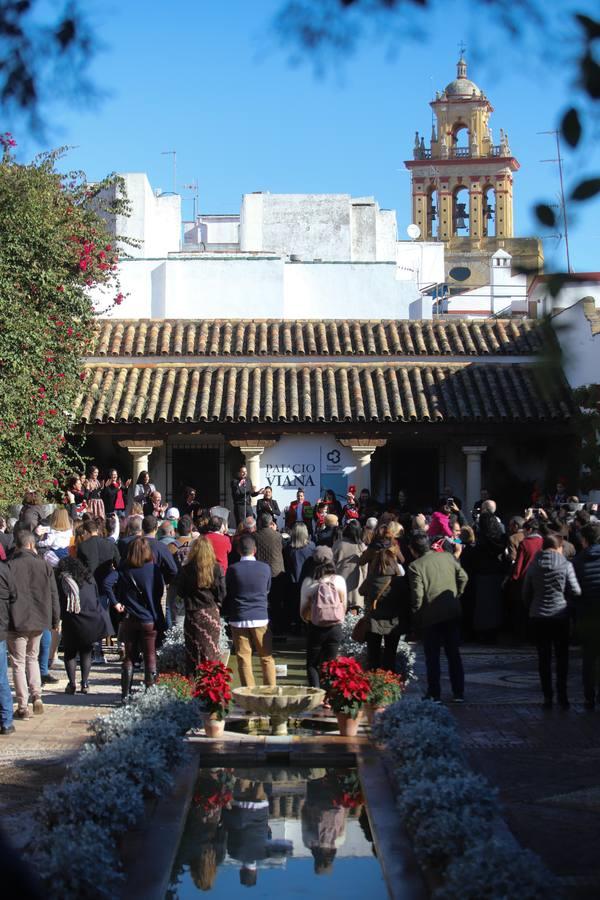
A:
(546, 765)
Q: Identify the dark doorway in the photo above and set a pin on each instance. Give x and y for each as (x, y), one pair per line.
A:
(198, 469)
(414, 470)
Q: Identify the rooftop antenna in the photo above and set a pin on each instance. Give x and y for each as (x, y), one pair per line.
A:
(172, 153)
(193, 187)
(563, 203)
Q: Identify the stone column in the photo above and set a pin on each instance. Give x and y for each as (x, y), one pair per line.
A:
(473, 479)
(253, 451)
(363, 449)
(140, 451)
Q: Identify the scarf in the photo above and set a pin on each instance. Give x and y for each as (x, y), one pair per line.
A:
(71, 591)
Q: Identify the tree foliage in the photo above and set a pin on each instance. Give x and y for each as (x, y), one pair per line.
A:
(44, 53)
(54, 246)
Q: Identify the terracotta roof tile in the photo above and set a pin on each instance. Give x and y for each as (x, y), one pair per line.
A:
(330, 393)
(358, 338)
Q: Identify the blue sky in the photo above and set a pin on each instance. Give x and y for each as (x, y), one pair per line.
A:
(211, 81)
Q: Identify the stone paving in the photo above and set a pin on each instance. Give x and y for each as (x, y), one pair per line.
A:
(546, 765)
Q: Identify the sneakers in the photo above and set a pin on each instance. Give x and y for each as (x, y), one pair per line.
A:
(7, 729)
(22, 714)
(38, 707)
(50, 679)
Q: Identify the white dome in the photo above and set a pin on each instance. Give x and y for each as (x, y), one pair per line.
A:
(462, 87)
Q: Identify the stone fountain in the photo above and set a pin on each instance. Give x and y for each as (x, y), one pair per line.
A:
(279, 703)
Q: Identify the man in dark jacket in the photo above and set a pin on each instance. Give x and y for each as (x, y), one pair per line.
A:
(269, 549)
(163, 557)
(242, 492)
(35, 608)
(8, 593)
(247, 584)
(587, 611)
(436, 583)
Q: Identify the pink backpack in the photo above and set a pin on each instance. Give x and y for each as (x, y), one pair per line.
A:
(327, 607)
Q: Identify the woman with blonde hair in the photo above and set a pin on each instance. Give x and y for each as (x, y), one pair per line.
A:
(59, 534)
(201, 586)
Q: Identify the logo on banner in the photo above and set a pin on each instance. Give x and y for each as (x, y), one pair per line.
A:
(334, 457)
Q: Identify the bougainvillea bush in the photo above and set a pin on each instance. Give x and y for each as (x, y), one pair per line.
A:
(55, 246)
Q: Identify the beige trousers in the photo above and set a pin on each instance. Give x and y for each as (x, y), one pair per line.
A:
(23, 650)
(258, 639)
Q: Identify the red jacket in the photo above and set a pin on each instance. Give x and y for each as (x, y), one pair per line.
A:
(527, 550)
(222, 546)
(307, 513)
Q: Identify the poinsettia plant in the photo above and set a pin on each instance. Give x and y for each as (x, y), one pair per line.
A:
(214, 792)
(179, 685)
(349, 792)
(213, 687)
(346, 685)
(385, 687)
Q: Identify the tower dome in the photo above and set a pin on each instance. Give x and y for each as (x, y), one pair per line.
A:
(462, 86)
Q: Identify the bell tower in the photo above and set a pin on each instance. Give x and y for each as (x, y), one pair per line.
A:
(462, 182)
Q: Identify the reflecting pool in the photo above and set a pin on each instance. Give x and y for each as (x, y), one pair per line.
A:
(284, 832)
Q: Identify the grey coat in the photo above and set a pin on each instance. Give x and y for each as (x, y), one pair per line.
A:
(549, 581)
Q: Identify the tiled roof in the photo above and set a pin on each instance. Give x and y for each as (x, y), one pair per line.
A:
(278, 337)
(323, 393)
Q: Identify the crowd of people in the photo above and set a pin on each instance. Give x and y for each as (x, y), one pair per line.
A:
(115, 563)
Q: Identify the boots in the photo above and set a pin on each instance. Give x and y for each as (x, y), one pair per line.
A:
(126, 680)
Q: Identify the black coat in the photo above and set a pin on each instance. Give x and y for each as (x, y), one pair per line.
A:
(267, 506)
(87, 626)
(200, 598)
(101, 557)
(587, 569)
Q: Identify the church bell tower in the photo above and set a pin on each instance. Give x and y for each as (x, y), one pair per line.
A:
(462, 182)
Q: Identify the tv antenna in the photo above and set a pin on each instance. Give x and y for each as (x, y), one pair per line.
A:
(563, 202)
(193, 187)
(172, 153)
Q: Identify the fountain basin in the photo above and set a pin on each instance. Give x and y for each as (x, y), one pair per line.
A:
(279, 703)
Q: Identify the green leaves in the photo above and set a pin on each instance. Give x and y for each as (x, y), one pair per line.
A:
(586, 189)
(571, 128)
(545, 214)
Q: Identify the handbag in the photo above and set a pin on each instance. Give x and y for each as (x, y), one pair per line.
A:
(363, 626)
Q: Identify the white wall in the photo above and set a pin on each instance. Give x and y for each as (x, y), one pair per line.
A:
(580, 347)
(155, 222)
(254, 287)
(420, 261)
(310, 462)
(568, 295)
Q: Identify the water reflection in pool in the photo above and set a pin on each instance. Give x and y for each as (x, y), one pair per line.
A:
(283, 832)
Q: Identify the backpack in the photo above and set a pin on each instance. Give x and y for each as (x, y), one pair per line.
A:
(327, 607)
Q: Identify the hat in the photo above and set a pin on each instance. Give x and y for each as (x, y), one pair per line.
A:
(323, 554)
(172, 513)
(331, 520)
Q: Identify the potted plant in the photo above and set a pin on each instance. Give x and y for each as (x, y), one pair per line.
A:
(347, 688)
(385, 688)
(213, 690)
(182, 687)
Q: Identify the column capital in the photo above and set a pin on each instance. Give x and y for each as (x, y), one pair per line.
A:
(474, 450)
(362, 445)
(253, 447)
(140, 448)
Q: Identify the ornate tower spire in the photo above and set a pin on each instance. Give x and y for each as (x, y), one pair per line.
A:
(462, 175)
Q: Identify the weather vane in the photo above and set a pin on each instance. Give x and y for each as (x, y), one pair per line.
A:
(462, 48)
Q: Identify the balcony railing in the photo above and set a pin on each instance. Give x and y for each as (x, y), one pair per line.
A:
(462, 152)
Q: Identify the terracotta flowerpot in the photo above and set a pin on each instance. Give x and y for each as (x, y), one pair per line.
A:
(213, 727)
(348, 727)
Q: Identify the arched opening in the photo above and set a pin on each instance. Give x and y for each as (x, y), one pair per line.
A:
(460, 139)
(460, 212)
(488, 211)
(433, 213)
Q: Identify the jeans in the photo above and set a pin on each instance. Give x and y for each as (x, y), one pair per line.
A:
(6, 702)
(24, 650)
(322, 644)
(549, 634)
(446, 635)
(44, 657)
